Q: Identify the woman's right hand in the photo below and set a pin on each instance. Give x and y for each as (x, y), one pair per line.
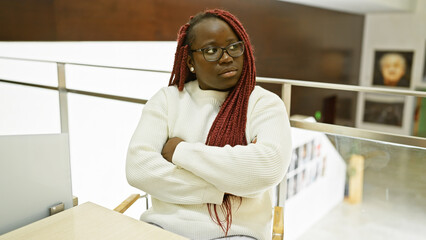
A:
(170, 147)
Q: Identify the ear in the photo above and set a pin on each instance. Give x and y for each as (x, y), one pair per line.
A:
(189, 62)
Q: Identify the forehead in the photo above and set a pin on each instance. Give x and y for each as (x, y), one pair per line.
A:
(212, 31)
(393, 58)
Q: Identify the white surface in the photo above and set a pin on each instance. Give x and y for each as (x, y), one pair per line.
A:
(29, 72)
(28, 110)
(126, 83)
(34, 176)
(147, 55)
(100, 131)
(360, 6)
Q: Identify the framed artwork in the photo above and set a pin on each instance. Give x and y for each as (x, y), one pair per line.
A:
(392, 68)
(384, 109)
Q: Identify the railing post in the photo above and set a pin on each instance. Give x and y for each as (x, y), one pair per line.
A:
(63, 100)
(282, 187)
(286, 96)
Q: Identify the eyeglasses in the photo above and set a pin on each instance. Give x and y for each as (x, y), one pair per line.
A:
(212, 54)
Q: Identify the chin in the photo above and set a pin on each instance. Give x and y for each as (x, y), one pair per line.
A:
(232, 84)
(228, 83)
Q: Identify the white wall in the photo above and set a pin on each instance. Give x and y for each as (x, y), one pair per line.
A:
(146, 55)
(360, 6)
(399, 32)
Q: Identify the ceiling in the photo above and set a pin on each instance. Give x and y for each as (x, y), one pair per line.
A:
(361, 6)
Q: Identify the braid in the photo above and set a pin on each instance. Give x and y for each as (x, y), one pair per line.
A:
(230, 124)
(180, 72)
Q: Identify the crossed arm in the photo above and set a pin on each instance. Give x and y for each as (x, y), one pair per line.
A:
(165, 167)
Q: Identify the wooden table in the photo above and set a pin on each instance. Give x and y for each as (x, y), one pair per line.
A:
(89, 221)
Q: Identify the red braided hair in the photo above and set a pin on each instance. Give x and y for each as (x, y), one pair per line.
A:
(230, 124)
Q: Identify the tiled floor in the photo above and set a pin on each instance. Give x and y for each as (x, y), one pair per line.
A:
(394, 201)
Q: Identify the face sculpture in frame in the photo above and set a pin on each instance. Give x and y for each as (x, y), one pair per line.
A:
(392, 67)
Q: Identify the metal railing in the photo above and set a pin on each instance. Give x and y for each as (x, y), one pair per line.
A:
(287, 84)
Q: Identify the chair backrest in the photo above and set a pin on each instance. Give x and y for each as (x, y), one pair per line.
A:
(35, 175)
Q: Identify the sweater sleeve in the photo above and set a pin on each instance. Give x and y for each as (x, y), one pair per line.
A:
(245, 170)
(146, 169)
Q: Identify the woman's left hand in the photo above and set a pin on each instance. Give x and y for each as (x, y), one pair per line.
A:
(169, 148)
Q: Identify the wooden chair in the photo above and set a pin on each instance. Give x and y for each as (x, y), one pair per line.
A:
(277, 228)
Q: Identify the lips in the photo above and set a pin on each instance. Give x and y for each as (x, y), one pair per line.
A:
(228, 72)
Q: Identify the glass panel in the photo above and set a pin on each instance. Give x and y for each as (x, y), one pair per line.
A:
(127, 83)
(29, 72)
(28, 110)
(100, 131)
(384, 193)
(315, 182)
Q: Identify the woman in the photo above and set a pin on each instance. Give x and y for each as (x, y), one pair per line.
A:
(210, 147)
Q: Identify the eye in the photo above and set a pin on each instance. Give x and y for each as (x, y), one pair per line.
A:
(236, 47)
(210, 51)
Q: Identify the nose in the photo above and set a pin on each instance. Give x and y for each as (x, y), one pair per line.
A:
(225, 57)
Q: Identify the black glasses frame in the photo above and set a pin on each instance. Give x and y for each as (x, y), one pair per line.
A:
(223, 50)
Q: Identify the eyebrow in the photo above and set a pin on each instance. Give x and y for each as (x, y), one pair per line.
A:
(213, 42)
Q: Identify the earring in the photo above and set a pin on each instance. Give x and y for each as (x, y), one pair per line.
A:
(191, 69)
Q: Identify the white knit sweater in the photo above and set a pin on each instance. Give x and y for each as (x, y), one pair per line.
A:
(201, 174)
